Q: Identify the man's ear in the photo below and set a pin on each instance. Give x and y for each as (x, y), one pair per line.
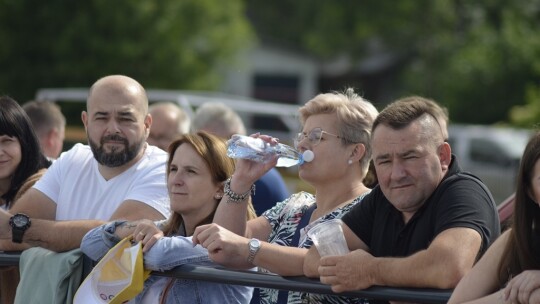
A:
(50, 136)
(147, 124)
(84, 118)
(445, 155)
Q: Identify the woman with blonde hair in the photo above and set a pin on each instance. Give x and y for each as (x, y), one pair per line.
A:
(337, 129)
(196, 170)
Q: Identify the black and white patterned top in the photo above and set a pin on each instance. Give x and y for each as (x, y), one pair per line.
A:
(284, 218)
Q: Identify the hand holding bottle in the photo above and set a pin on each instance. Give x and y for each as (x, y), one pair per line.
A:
(257, 154)
(257, 149)
(248, 171)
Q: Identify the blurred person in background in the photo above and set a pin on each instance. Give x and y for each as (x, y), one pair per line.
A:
(49, 124)
(219, 119)
(336, 127)
(509, 272)
(21, 164)
(197, 168)
(169, 121)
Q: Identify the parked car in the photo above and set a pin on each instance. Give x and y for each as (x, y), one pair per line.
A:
(491, 153)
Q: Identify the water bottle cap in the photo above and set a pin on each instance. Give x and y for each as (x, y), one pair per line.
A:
(308, 156)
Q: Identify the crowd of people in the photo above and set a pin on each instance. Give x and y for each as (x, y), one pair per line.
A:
(410, 216)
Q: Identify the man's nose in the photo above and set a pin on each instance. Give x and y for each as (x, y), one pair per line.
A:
(398, 170)
(113, 127)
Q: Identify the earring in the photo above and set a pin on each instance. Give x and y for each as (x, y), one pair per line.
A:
(218, 196)
(349, 162)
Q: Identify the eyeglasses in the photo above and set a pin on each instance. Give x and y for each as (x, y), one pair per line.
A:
(314, 136)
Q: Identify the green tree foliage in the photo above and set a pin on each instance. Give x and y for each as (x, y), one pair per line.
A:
(163, 44)
(485, 67)
(479, 58)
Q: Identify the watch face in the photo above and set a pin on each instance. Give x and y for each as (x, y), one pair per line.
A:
(254, 243)
(20, 220)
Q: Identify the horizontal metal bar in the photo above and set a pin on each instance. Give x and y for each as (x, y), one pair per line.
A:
(300, 283)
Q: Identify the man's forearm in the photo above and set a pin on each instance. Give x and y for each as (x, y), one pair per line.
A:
(449, 256)
(419, 270)
(58, 236)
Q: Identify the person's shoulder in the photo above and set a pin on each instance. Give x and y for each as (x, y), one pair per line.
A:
(304, 196)
(153, 160)
(373, 195)
(294, 203)
(76, 153)
(154, 153)
(463, 178)
(373, 200)
(464, 189)
(78, 148)
(361, 197)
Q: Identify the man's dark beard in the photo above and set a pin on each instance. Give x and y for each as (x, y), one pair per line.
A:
(114, 159)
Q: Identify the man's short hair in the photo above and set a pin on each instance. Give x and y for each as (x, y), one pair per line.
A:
(44, 115)
(218, 116)
(400, 113)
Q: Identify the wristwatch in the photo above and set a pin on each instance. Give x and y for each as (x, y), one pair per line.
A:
(19, 223)
(254, 245)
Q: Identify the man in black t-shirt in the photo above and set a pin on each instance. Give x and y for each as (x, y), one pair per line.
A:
(426, 222)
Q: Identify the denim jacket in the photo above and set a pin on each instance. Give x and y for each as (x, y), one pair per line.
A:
(167, 253)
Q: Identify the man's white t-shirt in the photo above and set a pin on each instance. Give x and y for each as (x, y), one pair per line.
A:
(74, 183)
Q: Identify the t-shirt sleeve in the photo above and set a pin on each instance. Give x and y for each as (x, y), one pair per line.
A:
(50, 183)
(464, 203)
(360, 219)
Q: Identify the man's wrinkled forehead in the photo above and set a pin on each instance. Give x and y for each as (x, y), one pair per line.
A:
(120, 101)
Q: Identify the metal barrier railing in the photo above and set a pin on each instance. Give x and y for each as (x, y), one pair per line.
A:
(301, 283)
(257, 279)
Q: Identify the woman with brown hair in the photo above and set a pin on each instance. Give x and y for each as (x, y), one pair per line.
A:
(20, 161)
(196, 170)
(509, 272)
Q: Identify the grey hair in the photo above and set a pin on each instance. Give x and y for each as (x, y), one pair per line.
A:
(355, 116)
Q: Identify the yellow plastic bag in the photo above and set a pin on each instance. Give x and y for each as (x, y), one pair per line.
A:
(117, 278)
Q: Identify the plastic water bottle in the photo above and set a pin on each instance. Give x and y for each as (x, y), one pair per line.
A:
(246, 147)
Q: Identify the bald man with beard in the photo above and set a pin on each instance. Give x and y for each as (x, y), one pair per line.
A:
(117, 176)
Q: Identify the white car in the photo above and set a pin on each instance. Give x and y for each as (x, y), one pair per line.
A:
(491, 153)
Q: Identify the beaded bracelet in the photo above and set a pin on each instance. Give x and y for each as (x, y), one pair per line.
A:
(234, 197)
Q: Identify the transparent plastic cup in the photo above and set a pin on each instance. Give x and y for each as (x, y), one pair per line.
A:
(328, 238)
